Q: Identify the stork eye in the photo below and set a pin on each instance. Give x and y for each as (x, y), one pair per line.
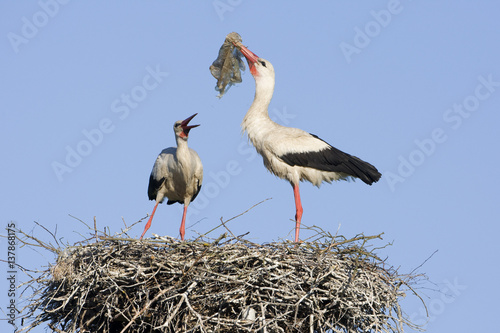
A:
(263, 63)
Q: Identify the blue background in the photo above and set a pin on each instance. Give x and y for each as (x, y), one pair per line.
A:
(412, 87)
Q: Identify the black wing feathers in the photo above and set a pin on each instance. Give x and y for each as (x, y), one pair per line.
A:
(197, 191)
(154, 186)
(333, 159)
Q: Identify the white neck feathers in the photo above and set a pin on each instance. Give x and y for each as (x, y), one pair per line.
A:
(258, 111)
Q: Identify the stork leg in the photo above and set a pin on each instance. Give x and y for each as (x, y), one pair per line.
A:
(298, 211)
(150, 219)
(182, 230)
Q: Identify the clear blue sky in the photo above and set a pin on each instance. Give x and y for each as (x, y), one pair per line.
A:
(90, 91)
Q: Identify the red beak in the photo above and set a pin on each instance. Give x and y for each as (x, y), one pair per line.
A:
(185, 122)
(252, 58)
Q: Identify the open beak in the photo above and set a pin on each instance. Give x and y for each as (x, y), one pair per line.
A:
(252, 58)
(185, 127)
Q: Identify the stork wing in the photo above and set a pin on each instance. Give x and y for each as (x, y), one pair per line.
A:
(198, 173)
(329, 158)
(197, 191)
(154, 186)
(159, 174)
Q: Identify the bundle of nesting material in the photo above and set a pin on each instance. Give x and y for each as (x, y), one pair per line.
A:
(228, 65)
(229, 284)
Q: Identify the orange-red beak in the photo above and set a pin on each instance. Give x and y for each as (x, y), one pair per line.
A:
(185, 127)
(252, 58)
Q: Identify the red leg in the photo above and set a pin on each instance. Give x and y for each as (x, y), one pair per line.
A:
(182, 230)
(150, 219)
(298, 209)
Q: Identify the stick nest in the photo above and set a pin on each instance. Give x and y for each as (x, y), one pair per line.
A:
(229, 284)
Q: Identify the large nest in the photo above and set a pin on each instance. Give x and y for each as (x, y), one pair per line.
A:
(117, 284)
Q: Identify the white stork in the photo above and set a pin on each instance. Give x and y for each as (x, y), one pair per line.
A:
(291, 153)
(177, 174)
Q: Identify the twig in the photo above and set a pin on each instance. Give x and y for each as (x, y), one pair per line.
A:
(429, 257)
(95, 228)
(52, 234)
(232, 218)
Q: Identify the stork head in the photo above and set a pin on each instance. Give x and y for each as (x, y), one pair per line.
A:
(181, 127)
(258, 67)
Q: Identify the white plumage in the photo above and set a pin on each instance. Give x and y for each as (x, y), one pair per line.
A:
(291, 153)
(177, 174)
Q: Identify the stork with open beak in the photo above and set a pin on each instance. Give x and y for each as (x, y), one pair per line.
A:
(291, 153)
(177, 174)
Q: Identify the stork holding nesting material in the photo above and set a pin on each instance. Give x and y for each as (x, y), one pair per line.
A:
(177, 174)
(291, 153)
